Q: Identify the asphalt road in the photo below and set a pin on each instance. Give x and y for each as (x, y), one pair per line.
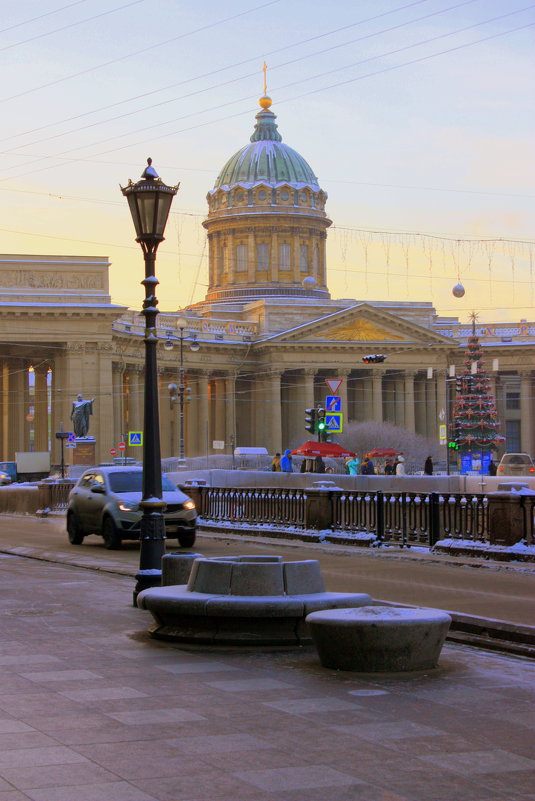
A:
(492, 590)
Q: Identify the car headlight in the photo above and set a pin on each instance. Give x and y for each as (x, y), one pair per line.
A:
(189, 505)
(127, 506)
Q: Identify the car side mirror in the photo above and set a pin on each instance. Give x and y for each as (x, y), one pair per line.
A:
(98, 489)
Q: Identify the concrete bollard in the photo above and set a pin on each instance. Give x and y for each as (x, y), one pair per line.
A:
(176, 567)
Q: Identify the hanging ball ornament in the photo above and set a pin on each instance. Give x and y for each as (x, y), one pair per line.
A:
(458, 291)
(309, 282)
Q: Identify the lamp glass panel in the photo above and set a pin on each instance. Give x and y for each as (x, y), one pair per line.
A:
(132, 204)
(146, 203)
(164, 204)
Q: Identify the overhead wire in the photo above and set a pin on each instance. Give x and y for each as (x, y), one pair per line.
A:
(282, 101)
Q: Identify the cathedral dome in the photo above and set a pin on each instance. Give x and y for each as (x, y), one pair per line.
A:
(267, 159)
(266, 222)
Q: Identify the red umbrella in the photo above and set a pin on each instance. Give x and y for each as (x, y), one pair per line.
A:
(380, 453)
(322, 449)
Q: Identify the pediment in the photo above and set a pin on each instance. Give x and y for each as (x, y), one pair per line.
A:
(361, 323)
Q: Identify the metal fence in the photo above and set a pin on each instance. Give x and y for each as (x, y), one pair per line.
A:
(400, 518)
(279, 507)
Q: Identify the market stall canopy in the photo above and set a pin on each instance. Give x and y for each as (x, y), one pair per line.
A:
(322, 449)
(381, 453)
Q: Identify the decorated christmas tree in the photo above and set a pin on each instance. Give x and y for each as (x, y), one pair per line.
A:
(474, 427)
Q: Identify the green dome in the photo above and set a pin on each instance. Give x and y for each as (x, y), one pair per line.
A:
(266, 160)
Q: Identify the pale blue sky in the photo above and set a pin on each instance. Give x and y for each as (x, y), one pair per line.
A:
(440, 146)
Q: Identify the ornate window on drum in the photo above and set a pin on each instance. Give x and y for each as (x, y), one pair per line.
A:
(241, 258)
(262, 256)
(303, 258)
(284, 256)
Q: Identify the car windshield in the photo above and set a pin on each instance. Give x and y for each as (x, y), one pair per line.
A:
(516, 458)
(132, 482)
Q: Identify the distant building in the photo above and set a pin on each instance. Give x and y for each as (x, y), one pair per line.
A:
(268, 331)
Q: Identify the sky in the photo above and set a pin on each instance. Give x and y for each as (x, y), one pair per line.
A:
(417, 118)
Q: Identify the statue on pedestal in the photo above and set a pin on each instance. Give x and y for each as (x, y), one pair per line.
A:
(81, 410)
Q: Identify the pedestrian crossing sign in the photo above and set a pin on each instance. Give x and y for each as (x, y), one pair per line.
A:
(334, 422)
(135, 438)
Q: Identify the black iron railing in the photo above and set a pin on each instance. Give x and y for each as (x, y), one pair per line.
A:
(282, 507)
(398, 518)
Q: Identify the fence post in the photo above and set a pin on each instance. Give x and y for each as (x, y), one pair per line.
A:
(434, 518)
(380, 516)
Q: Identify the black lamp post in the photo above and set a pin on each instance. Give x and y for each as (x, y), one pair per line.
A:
(181, 390)
(150, 202)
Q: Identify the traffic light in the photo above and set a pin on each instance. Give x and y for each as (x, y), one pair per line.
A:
(321, 425)
(373, 358)
(310, 420)
(458, 384)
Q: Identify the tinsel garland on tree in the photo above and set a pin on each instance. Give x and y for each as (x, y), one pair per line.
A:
(475, 424)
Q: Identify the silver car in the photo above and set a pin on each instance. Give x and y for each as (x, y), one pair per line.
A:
(516, 464)
(105, 501)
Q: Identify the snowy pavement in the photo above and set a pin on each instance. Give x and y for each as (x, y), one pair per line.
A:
(92, 709)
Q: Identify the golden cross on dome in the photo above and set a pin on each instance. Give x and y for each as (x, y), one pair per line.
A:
(264, 70)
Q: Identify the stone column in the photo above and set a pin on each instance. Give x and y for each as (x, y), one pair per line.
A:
(441, 403)
(219, 409)
(203, 413)
(307, 395)
(377, 392)
(430, 407)
(40, 421)
(367, 390)
(526, 412)
(399, 402)
(137, 385)
(231, 256)
(4, 405)
(273, 394)
(230, 410)
(17, 408)
(164, 379)
(117, 382)
(410, 419)
(343, 392)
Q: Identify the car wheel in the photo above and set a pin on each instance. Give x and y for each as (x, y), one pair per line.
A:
(186, 540)
(110, 534)
(74, 531)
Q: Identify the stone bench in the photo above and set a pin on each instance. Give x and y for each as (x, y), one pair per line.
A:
(244, 599)
(379, 638)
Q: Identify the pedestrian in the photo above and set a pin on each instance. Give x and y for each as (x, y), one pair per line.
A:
(367, 467)
(276, 463)
(400, 466)
(389, 468)
(286, 462)
(319, 464)
(353, 466)
(346, 465)
(492, 468)
(303, 468)
(428, 466)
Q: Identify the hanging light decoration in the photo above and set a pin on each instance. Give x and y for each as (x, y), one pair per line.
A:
(458, 291)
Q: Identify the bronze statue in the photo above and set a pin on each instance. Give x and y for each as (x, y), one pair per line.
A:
(81, 410)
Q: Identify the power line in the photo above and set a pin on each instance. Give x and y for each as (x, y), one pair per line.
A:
(234, 80)
(314, 91)
(143, 50)
(41, 16)
(70, 25)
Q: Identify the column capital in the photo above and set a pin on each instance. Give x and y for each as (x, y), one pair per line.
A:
(309, 371)
(342, 372)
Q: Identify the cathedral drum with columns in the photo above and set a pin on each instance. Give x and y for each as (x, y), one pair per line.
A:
(258, 348)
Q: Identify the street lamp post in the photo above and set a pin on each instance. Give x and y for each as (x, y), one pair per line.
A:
(179, 392)
(150, 201)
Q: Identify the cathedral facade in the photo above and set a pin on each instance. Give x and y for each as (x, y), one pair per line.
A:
(257, 350)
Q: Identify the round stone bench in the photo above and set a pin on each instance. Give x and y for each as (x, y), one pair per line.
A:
(379, 638)
(243, 599)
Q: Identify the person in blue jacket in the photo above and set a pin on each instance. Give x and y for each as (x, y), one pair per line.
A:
(286, 462)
